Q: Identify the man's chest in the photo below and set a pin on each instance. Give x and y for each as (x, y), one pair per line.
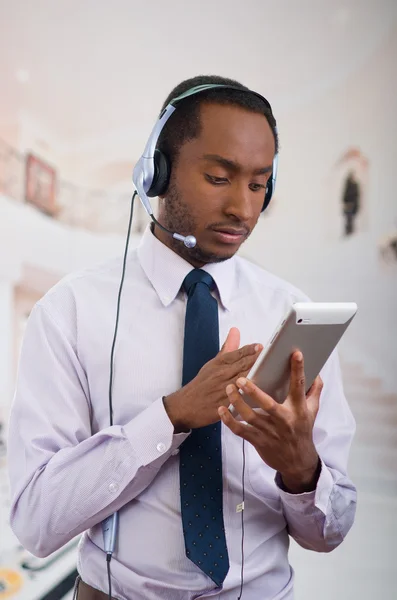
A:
(148, 353)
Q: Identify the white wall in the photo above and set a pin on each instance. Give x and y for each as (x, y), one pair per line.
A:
(296, 241)
(28, 237)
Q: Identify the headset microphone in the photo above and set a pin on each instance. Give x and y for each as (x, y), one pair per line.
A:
(188, 240)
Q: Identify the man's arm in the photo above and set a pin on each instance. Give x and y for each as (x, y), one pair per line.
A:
(319, 500)
(63, 479)
(320, 519)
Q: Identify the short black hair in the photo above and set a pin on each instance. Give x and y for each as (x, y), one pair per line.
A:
(184, 124)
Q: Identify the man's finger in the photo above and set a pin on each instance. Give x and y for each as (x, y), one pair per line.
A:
(232, 341)
(241, 357)
(236, 399)
(297, 387)
(245, 364)
(259, 398)
(313, 396)
(237, 427)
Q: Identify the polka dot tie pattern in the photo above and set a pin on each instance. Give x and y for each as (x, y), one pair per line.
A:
(201, 453)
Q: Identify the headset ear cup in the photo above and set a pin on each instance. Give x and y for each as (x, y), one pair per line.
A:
(268, 194)
(161, 174)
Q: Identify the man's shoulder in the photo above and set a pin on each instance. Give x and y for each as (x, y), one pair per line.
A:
(91, 284)
(252, 274)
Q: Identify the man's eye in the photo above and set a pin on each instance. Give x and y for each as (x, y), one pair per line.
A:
(216, 180)
(255, 187)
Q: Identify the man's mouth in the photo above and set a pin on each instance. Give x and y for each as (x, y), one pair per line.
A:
(229, 235)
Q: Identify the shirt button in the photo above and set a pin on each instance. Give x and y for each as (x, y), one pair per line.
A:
(160, 447)
(113, 487)
(175, 452)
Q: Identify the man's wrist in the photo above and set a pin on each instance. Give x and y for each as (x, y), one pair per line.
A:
(305, 481)
(170, 406)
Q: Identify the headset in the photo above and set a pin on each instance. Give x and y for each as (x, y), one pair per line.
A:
(151, 176)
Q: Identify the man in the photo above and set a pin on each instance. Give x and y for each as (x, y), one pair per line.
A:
(70, 470)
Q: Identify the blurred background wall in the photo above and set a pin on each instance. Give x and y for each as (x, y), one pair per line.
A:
(81, 84)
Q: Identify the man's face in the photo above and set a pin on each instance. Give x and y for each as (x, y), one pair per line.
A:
(218, 184)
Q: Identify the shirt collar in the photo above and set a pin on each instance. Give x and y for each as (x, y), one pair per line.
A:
(166, 270)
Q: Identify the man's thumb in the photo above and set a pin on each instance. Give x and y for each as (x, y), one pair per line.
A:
(232, 341)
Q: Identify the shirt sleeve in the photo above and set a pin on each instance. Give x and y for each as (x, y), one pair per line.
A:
(63, 479)
(320, 520)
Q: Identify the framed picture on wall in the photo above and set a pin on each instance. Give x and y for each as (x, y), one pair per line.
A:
(40, 187)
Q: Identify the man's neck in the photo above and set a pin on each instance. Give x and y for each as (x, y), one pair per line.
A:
(174, 245)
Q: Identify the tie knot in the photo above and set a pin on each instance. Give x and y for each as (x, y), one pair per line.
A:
(197, 276)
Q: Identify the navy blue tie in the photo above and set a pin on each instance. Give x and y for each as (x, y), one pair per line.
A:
(201, 453)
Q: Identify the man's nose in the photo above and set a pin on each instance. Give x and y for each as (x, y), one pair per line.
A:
(240, 202)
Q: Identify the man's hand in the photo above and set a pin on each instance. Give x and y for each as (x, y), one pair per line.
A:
(196, 404)
(283, 434)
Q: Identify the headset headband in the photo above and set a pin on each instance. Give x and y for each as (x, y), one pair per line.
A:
(209, 86)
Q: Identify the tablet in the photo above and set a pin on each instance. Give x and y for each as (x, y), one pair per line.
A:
(315, 329)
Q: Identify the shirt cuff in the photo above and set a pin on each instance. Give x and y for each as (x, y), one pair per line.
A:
(307, 501)
(151, 434)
